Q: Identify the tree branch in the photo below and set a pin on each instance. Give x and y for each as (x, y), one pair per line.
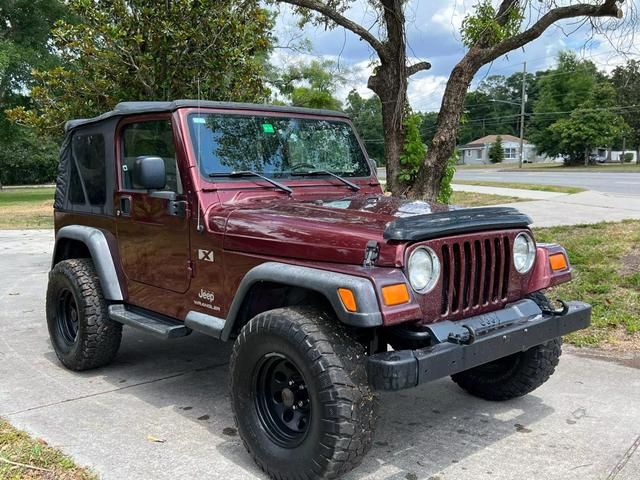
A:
(417, 67)
(502, 15)
(338, 18)
(609, 8)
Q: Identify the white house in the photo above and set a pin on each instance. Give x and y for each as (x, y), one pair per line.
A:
(477, 151)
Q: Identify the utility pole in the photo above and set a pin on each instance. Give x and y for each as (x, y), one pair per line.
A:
(523, 101)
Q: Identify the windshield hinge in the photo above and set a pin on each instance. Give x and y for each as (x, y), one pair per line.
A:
(371, 253)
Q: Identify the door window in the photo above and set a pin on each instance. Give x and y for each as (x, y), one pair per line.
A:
(149, 138)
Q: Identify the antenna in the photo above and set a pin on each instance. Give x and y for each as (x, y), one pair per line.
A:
(199, 226)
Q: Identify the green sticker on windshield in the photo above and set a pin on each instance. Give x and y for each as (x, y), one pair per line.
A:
(268, 128)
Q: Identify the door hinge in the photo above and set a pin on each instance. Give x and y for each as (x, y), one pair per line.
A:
(371, 252)
(190, 269)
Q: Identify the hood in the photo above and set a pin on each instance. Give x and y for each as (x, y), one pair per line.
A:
(330, 230)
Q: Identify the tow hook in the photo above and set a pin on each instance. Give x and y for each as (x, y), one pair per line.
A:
(466, 338)
(563, 310)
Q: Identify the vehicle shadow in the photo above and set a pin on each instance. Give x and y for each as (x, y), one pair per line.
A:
(419, 433)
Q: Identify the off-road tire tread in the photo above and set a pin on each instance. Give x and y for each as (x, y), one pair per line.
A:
(100, 340)
(533, 368)
(339, 363)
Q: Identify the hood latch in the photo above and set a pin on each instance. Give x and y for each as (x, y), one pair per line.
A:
(371, 252)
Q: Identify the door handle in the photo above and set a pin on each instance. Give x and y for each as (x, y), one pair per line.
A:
(125, 206)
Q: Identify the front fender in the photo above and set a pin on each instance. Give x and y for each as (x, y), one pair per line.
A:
(324, 282)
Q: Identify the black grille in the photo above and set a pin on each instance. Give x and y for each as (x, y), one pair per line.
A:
(475, 274)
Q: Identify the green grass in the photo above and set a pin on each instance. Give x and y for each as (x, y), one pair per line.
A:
(23, 458)
(522, 186)
(606, 262)
(472, 199)
(26, 208)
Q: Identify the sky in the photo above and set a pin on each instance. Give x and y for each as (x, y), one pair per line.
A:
(433, 35)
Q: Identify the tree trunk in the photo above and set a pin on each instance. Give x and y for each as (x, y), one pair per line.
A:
(393, 146)
(390, 84)
(427, 184)
(586, 157)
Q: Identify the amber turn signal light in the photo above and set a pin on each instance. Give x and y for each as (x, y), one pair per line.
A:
(348, 299)
(558, 262)
(395, 294)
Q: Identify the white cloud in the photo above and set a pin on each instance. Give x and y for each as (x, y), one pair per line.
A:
(425, 93)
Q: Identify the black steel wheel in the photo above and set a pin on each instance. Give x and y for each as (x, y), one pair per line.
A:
(300, 395)
(282, 400)
(67, 316)
(82, 334)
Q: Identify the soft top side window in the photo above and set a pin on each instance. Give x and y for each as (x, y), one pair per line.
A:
(149, 138)
(88, 169)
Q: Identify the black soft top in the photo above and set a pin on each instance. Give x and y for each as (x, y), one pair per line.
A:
(131, 108)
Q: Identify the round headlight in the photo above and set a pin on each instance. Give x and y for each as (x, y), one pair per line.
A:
(524, 253)
(424, 269)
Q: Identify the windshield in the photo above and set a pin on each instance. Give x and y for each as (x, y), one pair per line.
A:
(275, 146)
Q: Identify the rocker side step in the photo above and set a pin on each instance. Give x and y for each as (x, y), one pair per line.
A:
(156, 325)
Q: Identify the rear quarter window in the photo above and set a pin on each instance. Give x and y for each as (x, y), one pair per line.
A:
(89, 161)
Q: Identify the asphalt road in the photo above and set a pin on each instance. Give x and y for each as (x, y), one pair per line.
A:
(627, 183)
(161, 410)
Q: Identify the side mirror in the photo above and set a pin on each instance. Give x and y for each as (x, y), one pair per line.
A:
(149, 173)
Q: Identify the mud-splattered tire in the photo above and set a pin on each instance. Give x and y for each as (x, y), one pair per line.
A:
(81, 332)
(304, 358)
(515, 375)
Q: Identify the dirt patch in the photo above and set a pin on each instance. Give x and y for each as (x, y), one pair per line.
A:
(24, 215)
(630, 263)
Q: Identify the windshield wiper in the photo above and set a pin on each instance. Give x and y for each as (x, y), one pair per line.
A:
(352, 186)
(251, 173)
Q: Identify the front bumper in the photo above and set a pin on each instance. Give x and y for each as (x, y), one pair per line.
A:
(474, 341)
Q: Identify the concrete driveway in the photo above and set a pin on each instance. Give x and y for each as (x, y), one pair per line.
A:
(161, 411)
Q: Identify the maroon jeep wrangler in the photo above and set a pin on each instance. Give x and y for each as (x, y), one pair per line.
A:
(267, 226)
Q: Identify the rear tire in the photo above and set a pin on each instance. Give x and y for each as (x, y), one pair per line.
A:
(300, 395)
(517, 374)
(82, 334)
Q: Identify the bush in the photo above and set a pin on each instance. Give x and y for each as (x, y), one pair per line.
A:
(26, 159)
(413, 150)
(628, 157)
(444, 195)
(496, 153)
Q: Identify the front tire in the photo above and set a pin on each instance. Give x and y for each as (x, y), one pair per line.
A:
(512, 376)
(82, 334)
(300, 395)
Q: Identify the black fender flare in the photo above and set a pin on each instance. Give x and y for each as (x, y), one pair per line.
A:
(322, 281)
(96, 242)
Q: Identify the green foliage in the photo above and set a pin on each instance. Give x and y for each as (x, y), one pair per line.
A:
(483, 28)
(413, 151)
(311, 85)
(428, 126)
(494, 107)
(446, 191)
(27, 159)
(585, 130)
(25, 27)
(366, 114)
(626, 81)
(149, 50)
(496, 152)
(574, 85)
